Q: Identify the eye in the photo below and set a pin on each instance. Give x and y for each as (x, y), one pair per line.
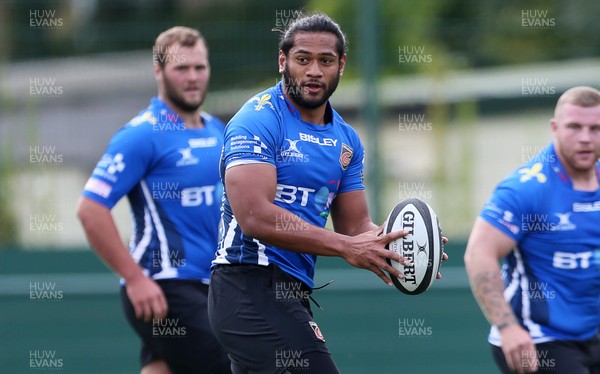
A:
(302, 59)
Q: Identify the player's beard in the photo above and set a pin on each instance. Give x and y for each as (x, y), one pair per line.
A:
(295, 91)
(578, 165)
(178, 100)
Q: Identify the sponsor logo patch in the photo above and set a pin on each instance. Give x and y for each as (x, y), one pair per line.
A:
(346, 156)
(535, 172)
(98, 187)
(261, 102)
(186, 157)
(316, 329)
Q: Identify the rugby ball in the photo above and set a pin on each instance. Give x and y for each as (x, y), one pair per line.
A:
(422, 246)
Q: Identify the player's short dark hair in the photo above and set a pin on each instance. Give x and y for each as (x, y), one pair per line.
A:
(184, 36)
(317, 22)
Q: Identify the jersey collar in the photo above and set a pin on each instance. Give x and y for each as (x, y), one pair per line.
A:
(559, 169)
(157, 105)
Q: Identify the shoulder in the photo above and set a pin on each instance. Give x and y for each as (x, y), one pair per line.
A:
(528, 185)
(533, 176)
(262, 115)
(529, 176)
(142, 127)
(264, 105)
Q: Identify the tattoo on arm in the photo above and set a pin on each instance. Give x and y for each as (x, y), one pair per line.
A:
(489, 292)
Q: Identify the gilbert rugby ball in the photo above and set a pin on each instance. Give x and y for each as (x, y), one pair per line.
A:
(422, 246)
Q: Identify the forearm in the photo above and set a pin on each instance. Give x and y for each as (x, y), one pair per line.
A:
(364, 226)
(350, 214)
(279, 227)
(488, 289)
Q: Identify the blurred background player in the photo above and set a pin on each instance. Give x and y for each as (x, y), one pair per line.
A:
(544, 221)
(166, 161)
(289, 161)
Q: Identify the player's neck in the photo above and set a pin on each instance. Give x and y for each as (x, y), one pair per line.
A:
(192, 119)
(314, 115)
(583, 180)
(586, 184)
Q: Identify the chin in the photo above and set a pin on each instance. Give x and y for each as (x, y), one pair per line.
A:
(314, 103)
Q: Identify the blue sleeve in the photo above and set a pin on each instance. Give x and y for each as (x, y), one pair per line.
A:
(507, 207)
(251, 137)
(353, 177)
(125, 162)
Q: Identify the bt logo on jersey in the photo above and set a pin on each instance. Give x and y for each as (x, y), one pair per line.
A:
(568, 260)
(289, 194)
(195, 196)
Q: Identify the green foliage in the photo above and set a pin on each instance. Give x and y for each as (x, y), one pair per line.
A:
(243, 49)
(456, 33)
(472, 33)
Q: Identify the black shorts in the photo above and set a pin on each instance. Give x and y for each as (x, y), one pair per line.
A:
(184, 339)
(262, 316)
(560, 357)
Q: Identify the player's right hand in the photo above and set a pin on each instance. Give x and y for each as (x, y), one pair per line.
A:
(147, 298)
(367, 251)
(519, 349)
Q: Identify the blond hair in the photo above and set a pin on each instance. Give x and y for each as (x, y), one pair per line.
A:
(181, 35)
(583, 96)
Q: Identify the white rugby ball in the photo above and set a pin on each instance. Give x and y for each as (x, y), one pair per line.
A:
(422, 246)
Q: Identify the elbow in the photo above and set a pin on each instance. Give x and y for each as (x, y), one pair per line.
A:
(82, 213)
(85, 213)
(252, 226)
(469, 259)
(477, 260)
(468, 263)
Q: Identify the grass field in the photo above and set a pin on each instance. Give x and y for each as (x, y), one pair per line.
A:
(369, 327)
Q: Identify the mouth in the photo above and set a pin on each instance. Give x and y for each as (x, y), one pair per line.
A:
(587, 154)
(313, 87)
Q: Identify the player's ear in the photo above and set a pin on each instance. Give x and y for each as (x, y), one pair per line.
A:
(342, 64)
(281, 61)
(157, 71)
(553, 125)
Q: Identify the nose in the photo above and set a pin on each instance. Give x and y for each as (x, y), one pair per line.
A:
(585, 135)
(192, 74)
(314, 70)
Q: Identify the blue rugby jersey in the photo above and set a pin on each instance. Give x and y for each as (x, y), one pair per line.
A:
(314, 163)
(170, 175)
(552, 277)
